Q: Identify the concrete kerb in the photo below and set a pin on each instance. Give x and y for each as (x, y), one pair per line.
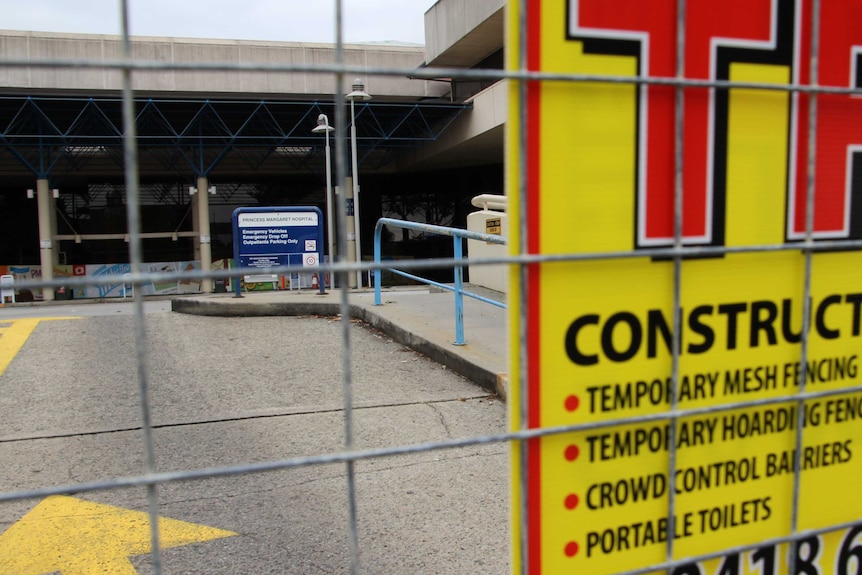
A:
(224, 307)
(447, 356)
(452, 357)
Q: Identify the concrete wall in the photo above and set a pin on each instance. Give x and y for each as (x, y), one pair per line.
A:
(462, 33)
(46, 46)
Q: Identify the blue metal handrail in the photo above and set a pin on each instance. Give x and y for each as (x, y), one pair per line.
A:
(458, 235)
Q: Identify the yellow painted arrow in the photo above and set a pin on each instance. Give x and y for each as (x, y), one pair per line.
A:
(77, 537)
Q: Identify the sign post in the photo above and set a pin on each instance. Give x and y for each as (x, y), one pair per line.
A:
(618, 336)
(270, 237)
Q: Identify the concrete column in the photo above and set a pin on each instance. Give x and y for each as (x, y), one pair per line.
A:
(204, 232)
(349, 227)
(46, 248)
(55, 249)
(196, 227)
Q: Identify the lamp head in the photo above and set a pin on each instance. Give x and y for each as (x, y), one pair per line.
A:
(358, 92)
(322, 125)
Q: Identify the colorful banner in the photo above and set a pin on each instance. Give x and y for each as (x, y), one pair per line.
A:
(22, 273)
(118, 286)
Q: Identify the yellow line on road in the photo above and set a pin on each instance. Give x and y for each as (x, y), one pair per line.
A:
(13, 335)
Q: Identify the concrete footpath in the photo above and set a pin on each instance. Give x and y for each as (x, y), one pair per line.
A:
(418, 317)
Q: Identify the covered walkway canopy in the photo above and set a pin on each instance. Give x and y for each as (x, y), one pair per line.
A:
(50, 140)
(51, 136)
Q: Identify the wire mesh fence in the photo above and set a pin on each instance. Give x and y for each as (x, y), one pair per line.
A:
(708, 291)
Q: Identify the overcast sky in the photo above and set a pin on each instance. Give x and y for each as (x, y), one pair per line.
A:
(278, 20)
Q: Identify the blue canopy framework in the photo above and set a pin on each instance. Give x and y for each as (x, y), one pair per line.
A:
(49, 137)
(257, 151)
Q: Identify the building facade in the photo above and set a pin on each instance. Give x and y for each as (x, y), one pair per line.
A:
(235, 119)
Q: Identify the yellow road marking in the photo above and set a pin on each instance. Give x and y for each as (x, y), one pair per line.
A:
(13, 335)
(78, 537)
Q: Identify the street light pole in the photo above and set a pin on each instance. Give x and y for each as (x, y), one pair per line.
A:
(358, 93)
(323, 126)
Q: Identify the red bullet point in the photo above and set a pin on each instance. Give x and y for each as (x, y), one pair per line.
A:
(572, 452)
(572, 403)
(572, 501)
(571, 549)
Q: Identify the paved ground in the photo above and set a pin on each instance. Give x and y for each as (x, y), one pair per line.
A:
(419, 317)
(234, 390)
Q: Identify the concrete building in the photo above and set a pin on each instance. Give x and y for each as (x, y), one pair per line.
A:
(426, 146)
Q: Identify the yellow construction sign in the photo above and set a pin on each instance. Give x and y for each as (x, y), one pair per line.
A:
(599, 178)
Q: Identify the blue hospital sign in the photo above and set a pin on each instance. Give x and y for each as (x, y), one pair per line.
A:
(277, 236)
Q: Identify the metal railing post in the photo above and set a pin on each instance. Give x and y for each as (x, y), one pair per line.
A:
(378, 233)
(459, 292)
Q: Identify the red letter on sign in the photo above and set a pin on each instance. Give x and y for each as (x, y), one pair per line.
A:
(716, 34)
(838, 170)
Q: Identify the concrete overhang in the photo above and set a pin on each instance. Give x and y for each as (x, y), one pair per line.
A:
(475, 138)
(46, 46)
(462, 33)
